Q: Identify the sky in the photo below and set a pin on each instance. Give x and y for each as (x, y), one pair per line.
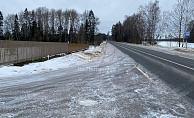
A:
(109, 11)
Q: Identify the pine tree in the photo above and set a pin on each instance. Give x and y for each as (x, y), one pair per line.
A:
(87, 31)
(34, 30)
(26, 25)
(92, 26)
(191, 38)
(32, 25)
(16, 30)
(39, 35)
(81, 34)
(1, 25)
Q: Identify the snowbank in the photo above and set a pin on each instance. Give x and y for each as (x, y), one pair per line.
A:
(73, 59)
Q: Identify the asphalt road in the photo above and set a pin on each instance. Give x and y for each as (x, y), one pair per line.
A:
(177, 72)
(112, 87)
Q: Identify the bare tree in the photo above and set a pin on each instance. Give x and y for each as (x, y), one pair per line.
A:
(150, 14)
(189, 9)
(74, 24)
(9, 26)
(59, 23)
(66, 15)
(180, 16)
(45, 13)
(163, 26)
(52, 21)
(43, 24)
(40, 21)
(133, 31)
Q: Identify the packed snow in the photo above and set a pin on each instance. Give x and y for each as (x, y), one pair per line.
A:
(73, 59)
(105, 83)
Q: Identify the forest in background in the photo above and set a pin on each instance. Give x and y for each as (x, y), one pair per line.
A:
(52, 25)
(150, 23)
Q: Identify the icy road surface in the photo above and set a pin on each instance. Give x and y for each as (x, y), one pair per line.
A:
(111, 86)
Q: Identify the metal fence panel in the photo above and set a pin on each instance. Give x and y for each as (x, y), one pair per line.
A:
(19, 51)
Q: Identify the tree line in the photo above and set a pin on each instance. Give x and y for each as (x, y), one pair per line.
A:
(52, 25)
(150, 23)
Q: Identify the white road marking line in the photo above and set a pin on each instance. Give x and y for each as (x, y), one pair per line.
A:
(161, 58)
(181, 106)
(161, 51)
(152, 81)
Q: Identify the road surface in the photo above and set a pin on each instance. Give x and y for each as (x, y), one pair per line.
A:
(112, 86)
(175, 71)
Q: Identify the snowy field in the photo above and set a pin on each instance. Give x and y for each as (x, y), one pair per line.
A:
(100, 82)
(174, 44)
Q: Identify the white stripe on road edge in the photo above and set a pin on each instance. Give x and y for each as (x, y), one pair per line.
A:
(152, 81)
(161, 58)
(160, 51)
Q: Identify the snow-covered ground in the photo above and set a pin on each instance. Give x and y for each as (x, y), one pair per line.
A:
(73, 59)
(175, 44)
(100, 82)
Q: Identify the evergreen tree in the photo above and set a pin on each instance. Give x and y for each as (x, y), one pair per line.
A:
(65, 35)
(39, 34)
(1, 25)
(34, 30)
(32, 25)
(92, 26)
(43, 24)
(191, 29)
(60, 29)
(81, 34)
(87, 31)
(26, 26)
(191, 38)
(16, 30)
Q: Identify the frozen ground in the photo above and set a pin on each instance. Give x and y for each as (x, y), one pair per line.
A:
(111, 85)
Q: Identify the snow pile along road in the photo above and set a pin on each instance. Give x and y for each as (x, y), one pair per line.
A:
(73, 59)
(113, 85)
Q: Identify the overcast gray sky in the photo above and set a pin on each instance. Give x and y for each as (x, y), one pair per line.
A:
(109, 11)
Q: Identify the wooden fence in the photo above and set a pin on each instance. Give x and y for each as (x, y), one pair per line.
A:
(19, 51)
